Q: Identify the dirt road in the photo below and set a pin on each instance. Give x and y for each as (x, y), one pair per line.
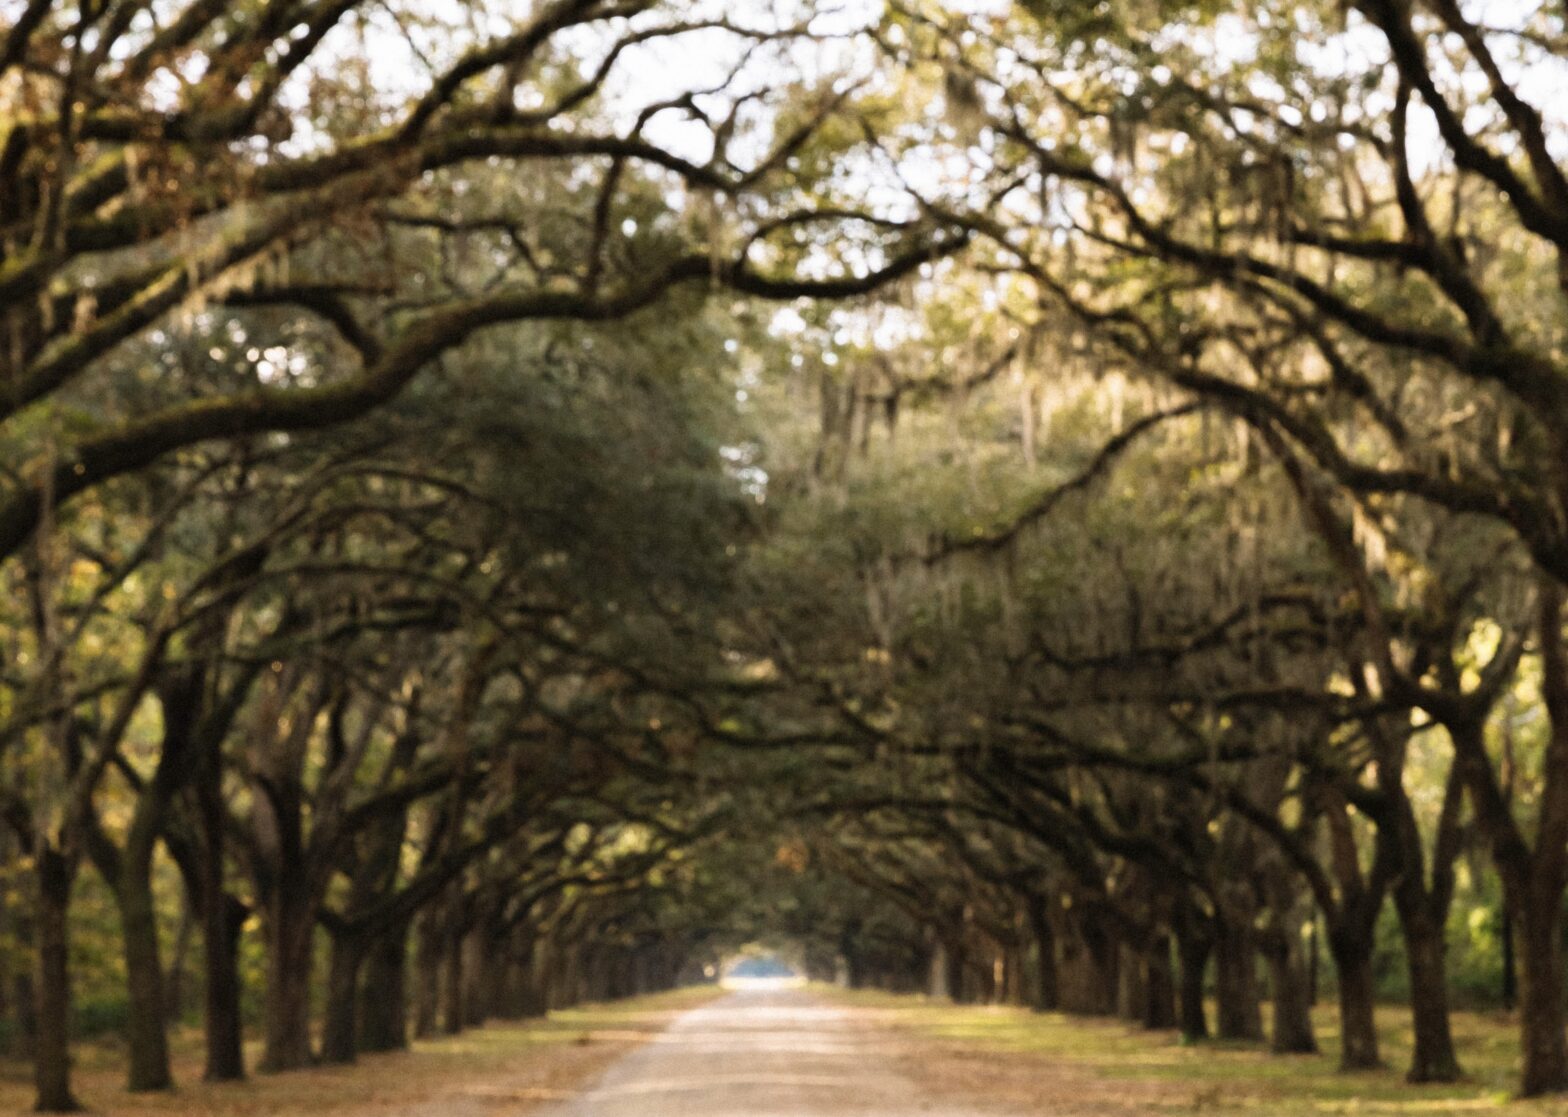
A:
(758, 1054)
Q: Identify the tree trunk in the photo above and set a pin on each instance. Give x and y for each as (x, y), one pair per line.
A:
(149, 1041)
(939, 988)
(452, 982)
(1086, 965)
(478, 952)
(1292, 1032)
(1541, 1015)
(1290, 977)
(536, 990)
(1105, 963)
(174, 981)
(1357, 1025)
(1236, 982)
(1423, 911)
(52, 1044)
(957, 979)
(221, 922)
(149, 1008)
(1314, 954)
(340, 1032)
(222, 918)
(290, 937)
(508, 1001)
(565, 988)
(1132, 983)
(383, 997)
(1160, 985)
(1194, 950)
(427, 970)
(1046, 992)
(1534, 880)
(1432, 1058)
(852, 972)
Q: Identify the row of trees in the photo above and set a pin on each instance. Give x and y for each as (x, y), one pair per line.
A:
(1241, 614)
(353, 562)
(1135, 551)
(365, 698)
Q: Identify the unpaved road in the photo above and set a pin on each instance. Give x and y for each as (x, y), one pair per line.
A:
(758, 1054)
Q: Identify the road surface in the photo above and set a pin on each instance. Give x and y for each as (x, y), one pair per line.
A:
(758, 1054)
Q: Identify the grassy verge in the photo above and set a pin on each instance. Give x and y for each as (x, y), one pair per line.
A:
(1075, 1065)
(515, 1065)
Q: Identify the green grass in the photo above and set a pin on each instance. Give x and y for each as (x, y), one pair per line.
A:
(1211, 1076)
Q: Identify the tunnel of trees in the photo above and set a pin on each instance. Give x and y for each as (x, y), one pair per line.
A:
(1060, 504)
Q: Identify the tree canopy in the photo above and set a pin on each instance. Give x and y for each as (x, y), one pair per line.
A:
(512, 504)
